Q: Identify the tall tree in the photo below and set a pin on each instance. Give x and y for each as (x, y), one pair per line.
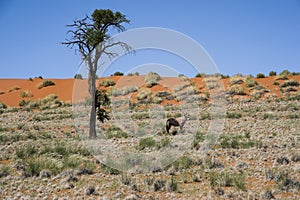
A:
(90, 37)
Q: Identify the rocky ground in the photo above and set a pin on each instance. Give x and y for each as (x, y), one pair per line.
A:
(257, 156)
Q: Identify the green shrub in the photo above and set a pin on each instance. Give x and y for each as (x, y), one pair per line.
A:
(260, 75)
(140, 116)
(152, 77)
(118, 74)
(236, 90)
(236, 142)
(159, 185)
(288, 83)
(199, 137)
(133, 74)
(157, 100)
(250, 82)
(226, 179)
(272, 73)
(4, 171)
(143, 94)
(150, 84)
(45, 83)
(200, 75)
(183, 162)
(285, 73)
(26, 94)
(147, 142)
(172, 185)
(78, 76)
(110, 170)
(2, 105)
(125, 179)
(237, 79)
(205, 115)
(123, 91)
(115, 132)
(276, 83)
(107, 83)
(34, 165)
(26, 151)
(282, 77)
(233, 115)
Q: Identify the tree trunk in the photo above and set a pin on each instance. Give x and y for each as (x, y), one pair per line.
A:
(92, 89)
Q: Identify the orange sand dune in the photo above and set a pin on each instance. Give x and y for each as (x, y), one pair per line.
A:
(10, 89)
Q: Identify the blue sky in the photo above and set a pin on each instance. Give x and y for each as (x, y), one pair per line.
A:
(246, 37)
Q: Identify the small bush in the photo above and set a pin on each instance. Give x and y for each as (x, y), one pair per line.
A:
(226, 179)
(236, 90)
(15, 88)
(285, 73)
(26, 94)
(123, 91)
(285, 182)
(272, 73)
(237, 79)
(200, 75)
(159, 185)
(115, 132)
(118, 74)
(78, 76)
(276, 83)
(4, 171)
(233, 115)
(260, 75)
(125, 179)
(150, 84)
(288, 83)
(205, 115)
(45, 83)
(152, 77)
(26, 151)
(34, 165)
(172, 185)
(236, 142)
(282, 77)
(2, 105)
(133, 74)
(143, 94)
(107, 83)
(199, 137)
(110, 170)
(250, 82)
(147, 142)
(183, 163)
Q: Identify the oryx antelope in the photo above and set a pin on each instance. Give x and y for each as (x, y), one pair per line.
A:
(180, 121)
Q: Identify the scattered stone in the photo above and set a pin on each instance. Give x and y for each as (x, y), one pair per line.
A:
(283, 161)
(83, 171)
(296, 158)
(242, 165)
(132, 197)
(134, 187)
(67, 186)
(220, 191)
(89, 190)
(45, 174)
(156, 169)
(197, 178)
(267, 195)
